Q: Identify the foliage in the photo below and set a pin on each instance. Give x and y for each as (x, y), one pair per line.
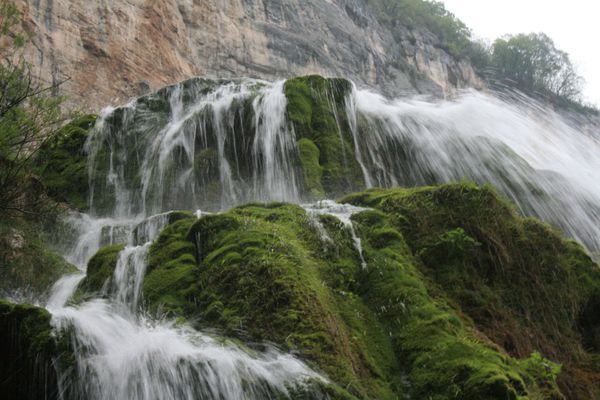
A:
(530, 62)
(62, 164)
(534, 63)
(26, 263)
(29, 115)
(545, 367)
(454, 35)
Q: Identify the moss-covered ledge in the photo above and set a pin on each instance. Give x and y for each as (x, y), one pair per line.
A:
(514, 279)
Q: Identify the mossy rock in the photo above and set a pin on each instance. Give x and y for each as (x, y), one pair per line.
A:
(31, 353)
(316, 109)
(62, 164)
(264, 272)
(312, 170)
(516, 280)
(417, 320)
(26, 262)
(101, 266)
(257, 272)
(100, 270)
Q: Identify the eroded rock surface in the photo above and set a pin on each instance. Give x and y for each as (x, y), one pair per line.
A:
(115, 49)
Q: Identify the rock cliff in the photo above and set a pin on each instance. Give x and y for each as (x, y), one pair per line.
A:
(112, 50)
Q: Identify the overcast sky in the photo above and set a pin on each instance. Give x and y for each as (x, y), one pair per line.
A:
(574, 25)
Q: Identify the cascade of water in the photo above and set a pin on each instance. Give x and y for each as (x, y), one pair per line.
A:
(202, 143)
(523, 148)
(122, 354)
(343, 212)
(273, 148)
(187, 146)
(353, 124)
(129, 275)
(143, 359)
(93, 233)
(217, 144)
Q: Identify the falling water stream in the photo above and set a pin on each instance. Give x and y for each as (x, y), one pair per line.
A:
(123, 353)
(218, 144)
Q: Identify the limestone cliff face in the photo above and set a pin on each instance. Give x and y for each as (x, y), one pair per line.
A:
(115, 49)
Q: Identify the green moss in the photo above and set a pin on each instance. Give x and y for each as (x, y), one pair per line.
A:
(442, 357)
(258, 272)
(450, 271)
(30, 353)
(100, 269)
(263, 272)
(26, 262)
(515, 279)
(171, 273)
(316, 110)
(312, 170)
(61, 163)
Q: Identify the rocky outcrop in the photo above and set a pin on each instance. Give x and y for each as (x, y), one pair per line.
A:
(114, 50)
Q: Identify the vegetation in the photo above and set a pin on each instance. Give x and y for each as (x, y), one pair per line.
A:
(30, 352)
(30, 119)
(316, 109)
(455, 281)
(62, 165)
(454, 35)
(530, 62)
(534, 63)
(26, 263)
(100, 269)
(515, 279)
(29, 116)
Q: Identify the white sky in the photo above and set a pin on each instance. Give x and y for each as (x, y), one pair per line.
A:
(574, 25)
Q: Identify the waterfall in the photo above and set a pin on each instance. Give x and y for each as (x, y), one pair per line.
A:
(540, 159)
(199, 143)
(211, 145)
(122, 353)
(215, 144)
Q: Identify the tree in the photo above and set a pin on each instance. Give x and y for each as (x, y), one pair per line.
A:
(534, 63)
(29, 115)
(454, 35)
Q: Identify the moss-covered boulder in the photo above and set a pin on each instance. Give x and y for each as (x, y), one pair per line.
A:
(100, 269)
(61, 163)
(258, 273)
(30, 352)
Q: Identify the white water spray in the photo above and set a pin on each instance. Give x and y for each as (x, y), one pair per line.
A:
(538, 158)
(124, 354)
